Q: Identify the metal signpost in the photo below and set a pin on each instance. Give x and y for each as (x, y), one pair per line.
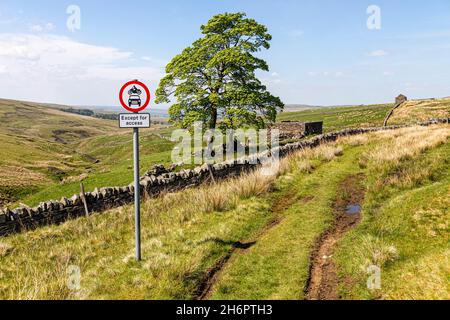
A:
(135, 120)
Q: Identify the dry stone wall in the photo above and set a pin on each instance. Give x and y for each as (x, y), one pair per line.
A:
(152, 185)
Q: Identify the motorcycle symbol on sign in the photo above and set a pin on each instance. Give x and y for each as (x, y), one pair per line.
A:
(135, 97)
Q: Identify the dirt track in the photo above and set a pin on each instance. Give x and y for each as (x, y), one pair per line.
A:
(212, 276)
(323, 281)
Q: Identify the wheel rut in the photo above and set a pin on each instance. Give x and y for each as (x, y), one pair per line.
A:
(323, 279)
(212, 275)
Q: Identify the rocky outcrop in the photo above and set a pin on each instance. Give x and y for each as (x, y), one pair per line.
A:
(155, 182)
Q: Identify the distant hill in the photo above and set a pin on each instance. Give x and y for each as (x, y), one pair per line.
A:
(34, 120)
(35, 144)
(299, 107)
(46, 152)
(158, 113)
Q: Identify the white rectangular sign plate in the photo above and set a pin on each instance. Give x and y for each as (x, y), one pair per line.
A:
(134, 120)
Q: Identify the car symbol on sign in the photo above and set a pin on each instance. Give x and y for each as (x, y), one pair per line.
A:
(134, 100)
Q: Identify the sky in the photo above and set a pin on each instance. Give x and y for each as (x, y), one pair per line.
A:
(323, 52)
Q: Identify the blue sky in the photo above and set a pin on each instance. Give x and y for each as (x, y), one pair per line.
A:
(322, 51)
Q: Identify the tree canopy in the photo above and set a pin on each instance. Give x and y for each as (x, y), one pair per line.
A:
(215, 77)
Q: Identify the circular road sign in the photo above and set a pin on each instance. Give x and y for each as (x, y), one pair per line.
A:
(135, 90)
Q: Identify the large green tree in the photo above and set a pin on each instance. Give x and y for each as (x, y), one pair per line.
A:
(214, 79)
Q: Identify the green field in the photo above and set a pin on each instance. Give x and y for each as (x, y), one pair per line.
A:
(337, 118)
(46, 153)
(259, 231)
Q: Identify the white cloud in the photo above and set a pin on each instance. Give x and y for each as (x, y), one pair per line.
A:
(378, 53)
(58, 69)
(272, 79)
(8, 21)
(388, 73)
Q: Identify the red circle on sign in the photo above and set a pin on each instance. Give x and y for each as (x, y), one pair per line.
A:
(147, 91)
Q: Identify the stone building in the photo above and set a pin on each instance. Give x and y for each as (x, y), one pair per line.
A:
(292, 130)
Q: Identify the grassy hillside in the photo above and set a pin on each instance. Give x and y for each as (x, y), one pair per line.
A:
(35, 143)
(253, 237)
(47, 152)
(421, 110)
(336, 118)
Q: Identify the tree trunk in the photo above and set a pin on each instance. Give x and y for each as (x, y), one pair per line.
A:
(213, 121)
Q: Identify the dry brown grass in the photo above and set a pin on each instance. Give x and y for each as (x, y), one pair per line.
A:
(304, 160)
(5, 249)
(402, 145)
(327, 152)
(421, 110)
(408, 143)
(355, 141)
(14, 176)
(205, 199)
(254, 184)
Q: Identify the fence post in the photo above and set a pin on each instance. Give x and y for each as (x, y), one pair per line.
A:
(83, 198)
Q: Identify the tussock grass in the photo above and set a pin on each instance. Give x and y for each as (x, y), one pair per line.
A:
(413, 142)
(391, 159)
(421, 110)
(327, 152)
(405, 226)
(254, 184)
(375, 251)
(5, 249)
(355, 141)
(307, 160)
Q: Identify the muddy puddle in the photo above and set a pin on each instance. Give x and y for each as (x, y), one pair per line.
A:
(353, 209)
